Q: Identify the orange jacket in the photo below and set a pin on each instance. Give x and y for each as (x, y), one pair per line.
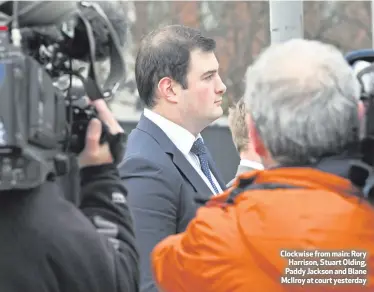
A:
(237, 247)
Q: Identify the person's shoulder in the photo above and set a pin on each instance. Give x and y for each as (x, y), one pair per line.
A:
(215, 224)
(53, 219)
(153, 165)
(62, 215)
(144, 150)
(142, 143)
(138, 137)
(71, 240)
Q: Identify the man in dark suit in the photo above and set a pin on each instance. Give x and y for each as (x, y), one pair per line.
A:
(167, 169)
(249, 159)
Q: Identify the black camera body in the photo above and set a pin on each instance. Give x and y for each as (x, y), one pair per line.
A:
(44, 115)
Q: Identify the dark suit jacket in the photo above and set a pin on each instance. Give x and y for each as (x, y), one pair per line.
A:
(164, 190)
(241, 169)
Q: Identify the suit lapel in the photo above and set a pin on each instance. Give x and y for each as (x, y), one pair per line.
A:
(184, 166)
(191, 175)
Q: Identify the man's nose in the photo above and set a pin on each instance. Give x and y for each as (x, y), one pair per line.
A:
(221, 87)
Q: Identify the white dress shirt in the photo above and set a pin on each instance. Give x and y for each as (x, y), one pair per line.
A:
(252, 164)
(183, 140)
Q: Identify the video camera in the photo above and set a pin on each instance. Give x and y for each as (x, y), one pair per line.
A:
(362, 172)
(44, 110)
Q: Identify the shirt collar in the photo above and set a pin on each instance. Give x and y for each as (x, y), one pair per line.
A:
(180, 137)
(251, 164)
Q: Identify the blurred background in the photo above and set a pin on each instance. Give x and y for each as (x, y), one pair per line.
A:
(241, 29)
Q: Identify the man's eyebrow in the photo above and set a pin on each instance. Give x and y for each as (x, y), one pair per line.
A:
(209, 73)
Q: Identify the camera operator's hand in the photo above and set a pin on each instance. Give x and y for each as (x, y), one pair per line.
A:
(94, 153)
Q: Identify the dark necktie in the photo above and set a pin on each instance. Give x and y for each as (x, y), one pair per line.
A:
(199, 149)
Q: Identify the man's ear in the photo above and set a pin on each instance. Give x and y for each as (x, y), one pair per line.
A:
(255, 138)
(166, 87)
(361, 110)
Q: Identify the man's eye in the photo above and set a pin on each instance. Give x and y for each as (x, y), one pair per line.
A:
(210, 77)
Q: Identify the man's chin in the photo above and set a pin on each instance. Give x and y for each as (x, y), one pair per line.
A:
(218, 113)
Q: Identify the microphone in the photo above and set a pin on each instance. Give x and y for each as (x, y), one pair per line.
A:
(106, 17)
(38, 13)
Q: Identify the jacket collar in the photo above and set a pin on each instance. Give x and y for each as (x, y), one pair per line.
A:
(330, 173)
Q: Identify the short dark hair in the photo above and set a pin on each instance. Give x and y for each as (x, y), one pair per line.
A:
(166, 52)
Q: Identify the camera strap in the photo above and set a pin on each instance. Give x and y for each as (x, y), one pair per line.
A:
(117, 64)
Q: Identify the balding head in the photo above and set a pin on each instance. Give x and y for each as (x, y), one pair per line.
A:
(165, 52)
(302, 96)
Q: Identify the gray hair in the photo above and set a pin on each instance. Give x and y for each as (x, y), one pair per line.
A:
(303, 99)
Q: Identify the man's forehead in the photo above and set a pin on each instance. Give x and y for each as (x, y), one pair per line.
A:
(201, 62)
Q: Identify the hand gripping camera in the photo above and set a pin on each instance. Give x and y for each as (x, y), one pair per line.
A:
(44, 111)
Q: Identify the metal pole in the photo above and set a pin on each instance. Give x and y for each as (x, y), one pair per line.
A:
(286, 20)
